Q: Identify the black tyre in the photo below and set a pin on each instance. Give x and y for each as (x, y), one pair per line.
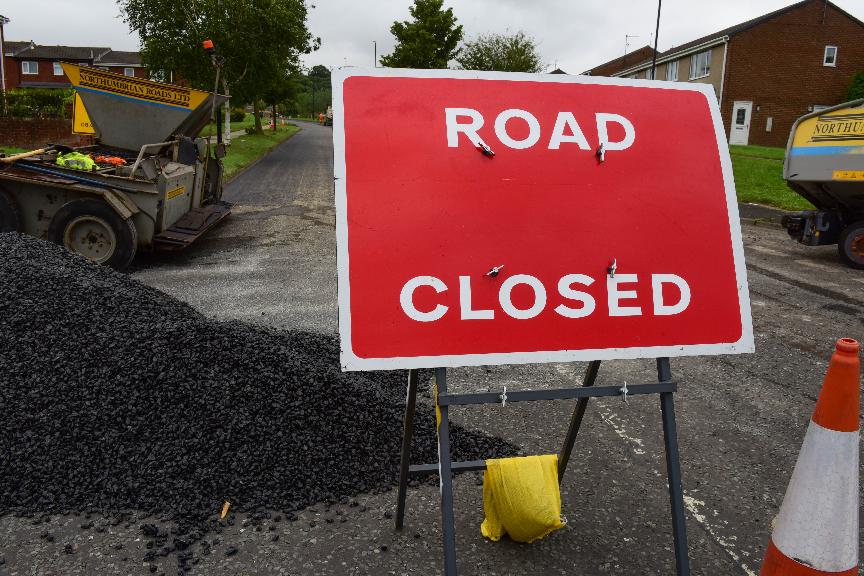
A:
(94, 230)
(851, 245)
(10, 219)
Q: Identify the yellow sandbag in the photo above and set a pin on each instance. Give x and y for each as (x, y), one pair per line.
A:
(521, 498)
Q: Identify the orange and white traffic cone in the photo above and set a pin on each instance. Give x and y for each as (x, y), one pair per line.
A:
(816, 532)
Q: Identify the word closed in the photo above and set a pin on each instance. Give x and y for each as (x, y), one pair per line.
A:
(619, 289)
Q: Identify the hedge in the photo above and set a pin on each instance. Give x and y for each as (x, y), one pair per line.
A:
(37, 103)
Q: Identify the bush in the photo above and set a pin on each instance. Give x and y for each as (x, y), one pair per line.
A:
(238, 114)
(856, 88)
(38, 102)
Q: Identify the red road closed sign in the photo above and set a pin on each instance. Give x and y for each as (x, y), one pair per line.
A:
(491, 218)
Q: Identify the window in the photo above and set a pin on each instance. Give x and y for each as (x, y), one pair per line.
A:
(672, 71)
(649, 74)
(129, 72)
(633, 76)
(700, 65)
(58, 70)
(29, 67)
(740, 117)
(830, 56)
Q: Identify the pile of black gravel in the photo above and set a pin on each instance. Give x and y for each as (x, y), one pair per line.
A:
(115, 397)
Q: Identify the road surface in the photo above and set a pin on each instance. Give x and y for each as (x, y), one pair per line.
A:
(741, 419)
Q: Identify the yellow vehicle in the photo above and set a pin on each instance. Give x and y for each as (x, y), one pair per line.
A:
(154, 184)
(825, 164)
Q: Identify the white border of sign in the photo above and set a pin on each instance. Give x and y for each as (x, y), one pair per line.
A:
(350, 361)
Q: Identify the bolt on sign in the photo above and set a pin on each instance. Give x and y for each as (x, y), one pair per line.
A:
(492, 218)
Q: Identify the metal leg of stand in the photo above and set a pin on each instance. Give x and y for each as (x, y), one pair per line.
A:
(673, 470)
(448, 528)
(576, 419)
(407, 434)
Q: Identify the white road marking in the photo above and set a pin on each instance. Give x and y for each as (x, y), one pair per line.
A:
(612, 420)
(763, 250)
(815, 265)
(692, 505)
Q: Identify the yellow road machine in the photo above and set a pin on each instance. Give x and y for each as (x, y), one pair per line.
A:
(825, 164)
(148, 183)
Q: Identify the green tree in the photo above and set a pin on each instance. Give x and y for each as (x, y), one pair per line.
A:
(502, 52)
(430, 40)
(259, 39)
(281, 92)
(856, 88)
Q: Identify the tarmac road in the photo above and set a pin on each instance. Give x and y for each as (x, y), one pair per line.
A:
(741, 419)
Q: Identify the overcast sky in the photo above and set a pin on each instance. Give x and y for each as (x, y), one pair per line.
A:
(575, 35)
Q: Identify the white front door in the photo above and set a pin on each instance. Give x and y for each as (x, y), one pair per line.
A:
(740, 130)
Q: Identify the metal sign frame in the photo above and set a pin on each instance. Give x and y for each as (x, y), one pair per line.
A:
(445, 467)
(665, 387)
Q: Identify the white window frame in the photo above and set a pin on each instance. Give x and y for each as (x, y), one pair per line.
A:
(695, 72)
(129, 72)
(672, 66)
(825, 56)
(26, 67)
(58, 70)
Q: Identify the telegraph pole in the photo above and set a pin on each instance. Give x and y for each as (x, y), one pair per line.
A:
(656, 37)
(375, 57)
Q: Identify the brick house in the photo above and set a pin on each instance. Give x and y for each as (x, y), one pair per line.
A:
(28, 65)
(766, 72)
(11, 68)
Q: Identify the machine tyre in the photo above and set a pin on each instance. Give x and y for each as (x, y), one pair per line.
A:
(94, 230)
(10, 219)
(851, 245)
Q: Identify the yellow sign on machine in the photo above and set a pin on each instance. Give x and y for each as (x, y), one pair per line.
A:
(81, 123)
(95, 80)
(853, 175)
(175, 192)
(836, 132)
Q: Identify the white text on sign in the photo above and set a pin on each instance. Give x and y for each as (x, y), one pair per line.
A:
(566, 129)
(617, 294)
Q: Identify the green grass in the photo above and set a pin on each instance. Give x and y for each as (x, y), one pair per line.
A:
(759, 178)
(9, 150)
(758, 152)
(245, 150)
(235, 126)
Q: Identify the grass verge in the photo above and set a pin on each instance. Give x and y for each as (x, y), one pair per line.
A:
(9, 150)
(245, 150)
(247, 122)
(759, 178)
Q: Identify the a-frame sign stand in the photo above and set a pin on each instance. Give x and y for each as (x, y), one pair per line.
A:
(665, 387)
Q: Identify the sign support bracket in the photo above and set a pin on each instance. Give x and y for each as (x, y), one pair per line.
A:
(445, 467)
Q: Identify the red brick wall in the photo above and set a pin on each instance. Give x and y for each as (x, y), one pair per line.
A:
(14, 77)
(46, 72)
(139, 72)
(777, 65)
(36, 133)
(13, 72)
